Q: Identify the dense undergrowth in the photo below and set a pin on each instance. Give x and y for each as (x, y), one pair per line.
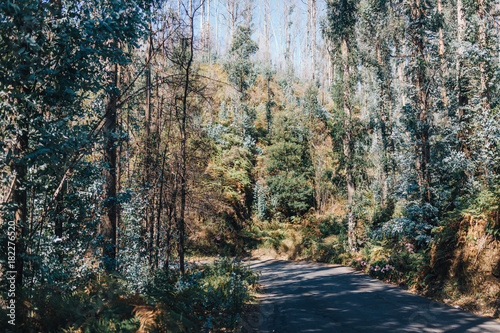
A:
(208, 298)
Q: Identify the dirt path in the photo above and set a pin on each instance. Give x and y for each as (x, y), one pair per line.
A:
(308, 297)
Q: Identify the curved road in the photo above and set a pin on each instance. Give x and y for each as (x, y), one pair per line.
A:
(310, 297)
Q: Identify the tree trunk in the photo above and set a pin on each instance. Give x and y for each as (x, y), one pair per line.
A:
(217, 51)
(347, 143)
(442, 57)
(483, 66)
(267, 35)
(422, 145)
(148, 220)
(183, 132)
(110, 167)
(118, 176)
(461, 89)
(208, 36)
(313, 39)
(20, 199)
(202, 25)
(385, 110)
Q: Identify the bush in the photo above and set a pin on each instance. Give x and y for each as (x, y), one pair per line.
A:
(210, 298)
(392, 260)
(103, 306)
(329, 226)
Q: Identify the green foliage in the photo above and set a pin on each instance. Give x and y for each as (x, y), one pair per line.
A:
(240, 69)
(104, 305)
(395, 260)
(261, 196)
(341, 20)
(330, 226)
(232, 161)
(53, 82)
(209, 298)
(312, 106)
(329, 253)
(289, 167)
(423, 131)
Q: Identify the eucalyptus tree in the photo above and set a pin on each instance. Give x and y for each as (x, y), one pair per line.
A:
(340, 30)
(424, 143)
(379, 34)
(53, 90)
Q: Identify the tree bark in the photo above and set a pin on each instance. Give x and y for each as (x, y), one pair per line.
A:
(148, 218)
(420, 81)
(110, 213)
(461, 89)
(267, 35)
(347, 143)
(483, 66)
(385, 111)
(183, 132)
(20, 199)
(313, 38)
(442, 57)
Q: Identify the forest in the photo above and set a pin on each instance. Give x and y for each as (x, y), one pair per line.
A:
(141, 136)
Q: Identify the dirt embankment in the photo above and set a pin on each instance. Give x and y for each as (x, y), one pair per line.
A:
(465, 266)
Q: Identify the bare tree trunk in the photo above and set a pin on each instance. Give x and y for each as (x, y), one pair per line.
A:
(485, 91)
(313, 38)
(231, 17)
(208, 39)
(110, 168)
(183, 132)
(191, 18)
(118, 189)
(442, 56)
(462, 97)
(288, 33)
(385, 110)
(347, 143)
(267, 34)
(308, 40)
(159, 161)
(202, 25)
(217, 50)
(20, 199)
(159, 215)
(148, 221)
(420, 81)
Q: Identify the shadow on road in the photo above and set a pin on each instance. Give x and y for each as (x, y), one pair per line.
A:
(307, 297)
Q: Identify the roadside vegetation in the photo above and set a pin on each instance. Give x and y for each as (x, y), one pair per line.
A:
(208, 298)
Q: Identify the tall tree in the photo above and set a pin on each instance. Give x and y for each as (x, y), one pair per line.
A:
(311, 36)
(341, 31)
(378, 36)
(186, 68)
(417, 39)
(110, 199)
(51, 71)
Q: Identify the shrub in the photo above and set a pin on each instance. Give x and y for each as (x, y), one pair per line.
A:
(210, 298)
(103, 306)
(330, 226)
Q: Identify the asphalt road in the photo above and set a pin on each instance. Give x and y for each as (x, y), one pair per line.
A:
(308, 297)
